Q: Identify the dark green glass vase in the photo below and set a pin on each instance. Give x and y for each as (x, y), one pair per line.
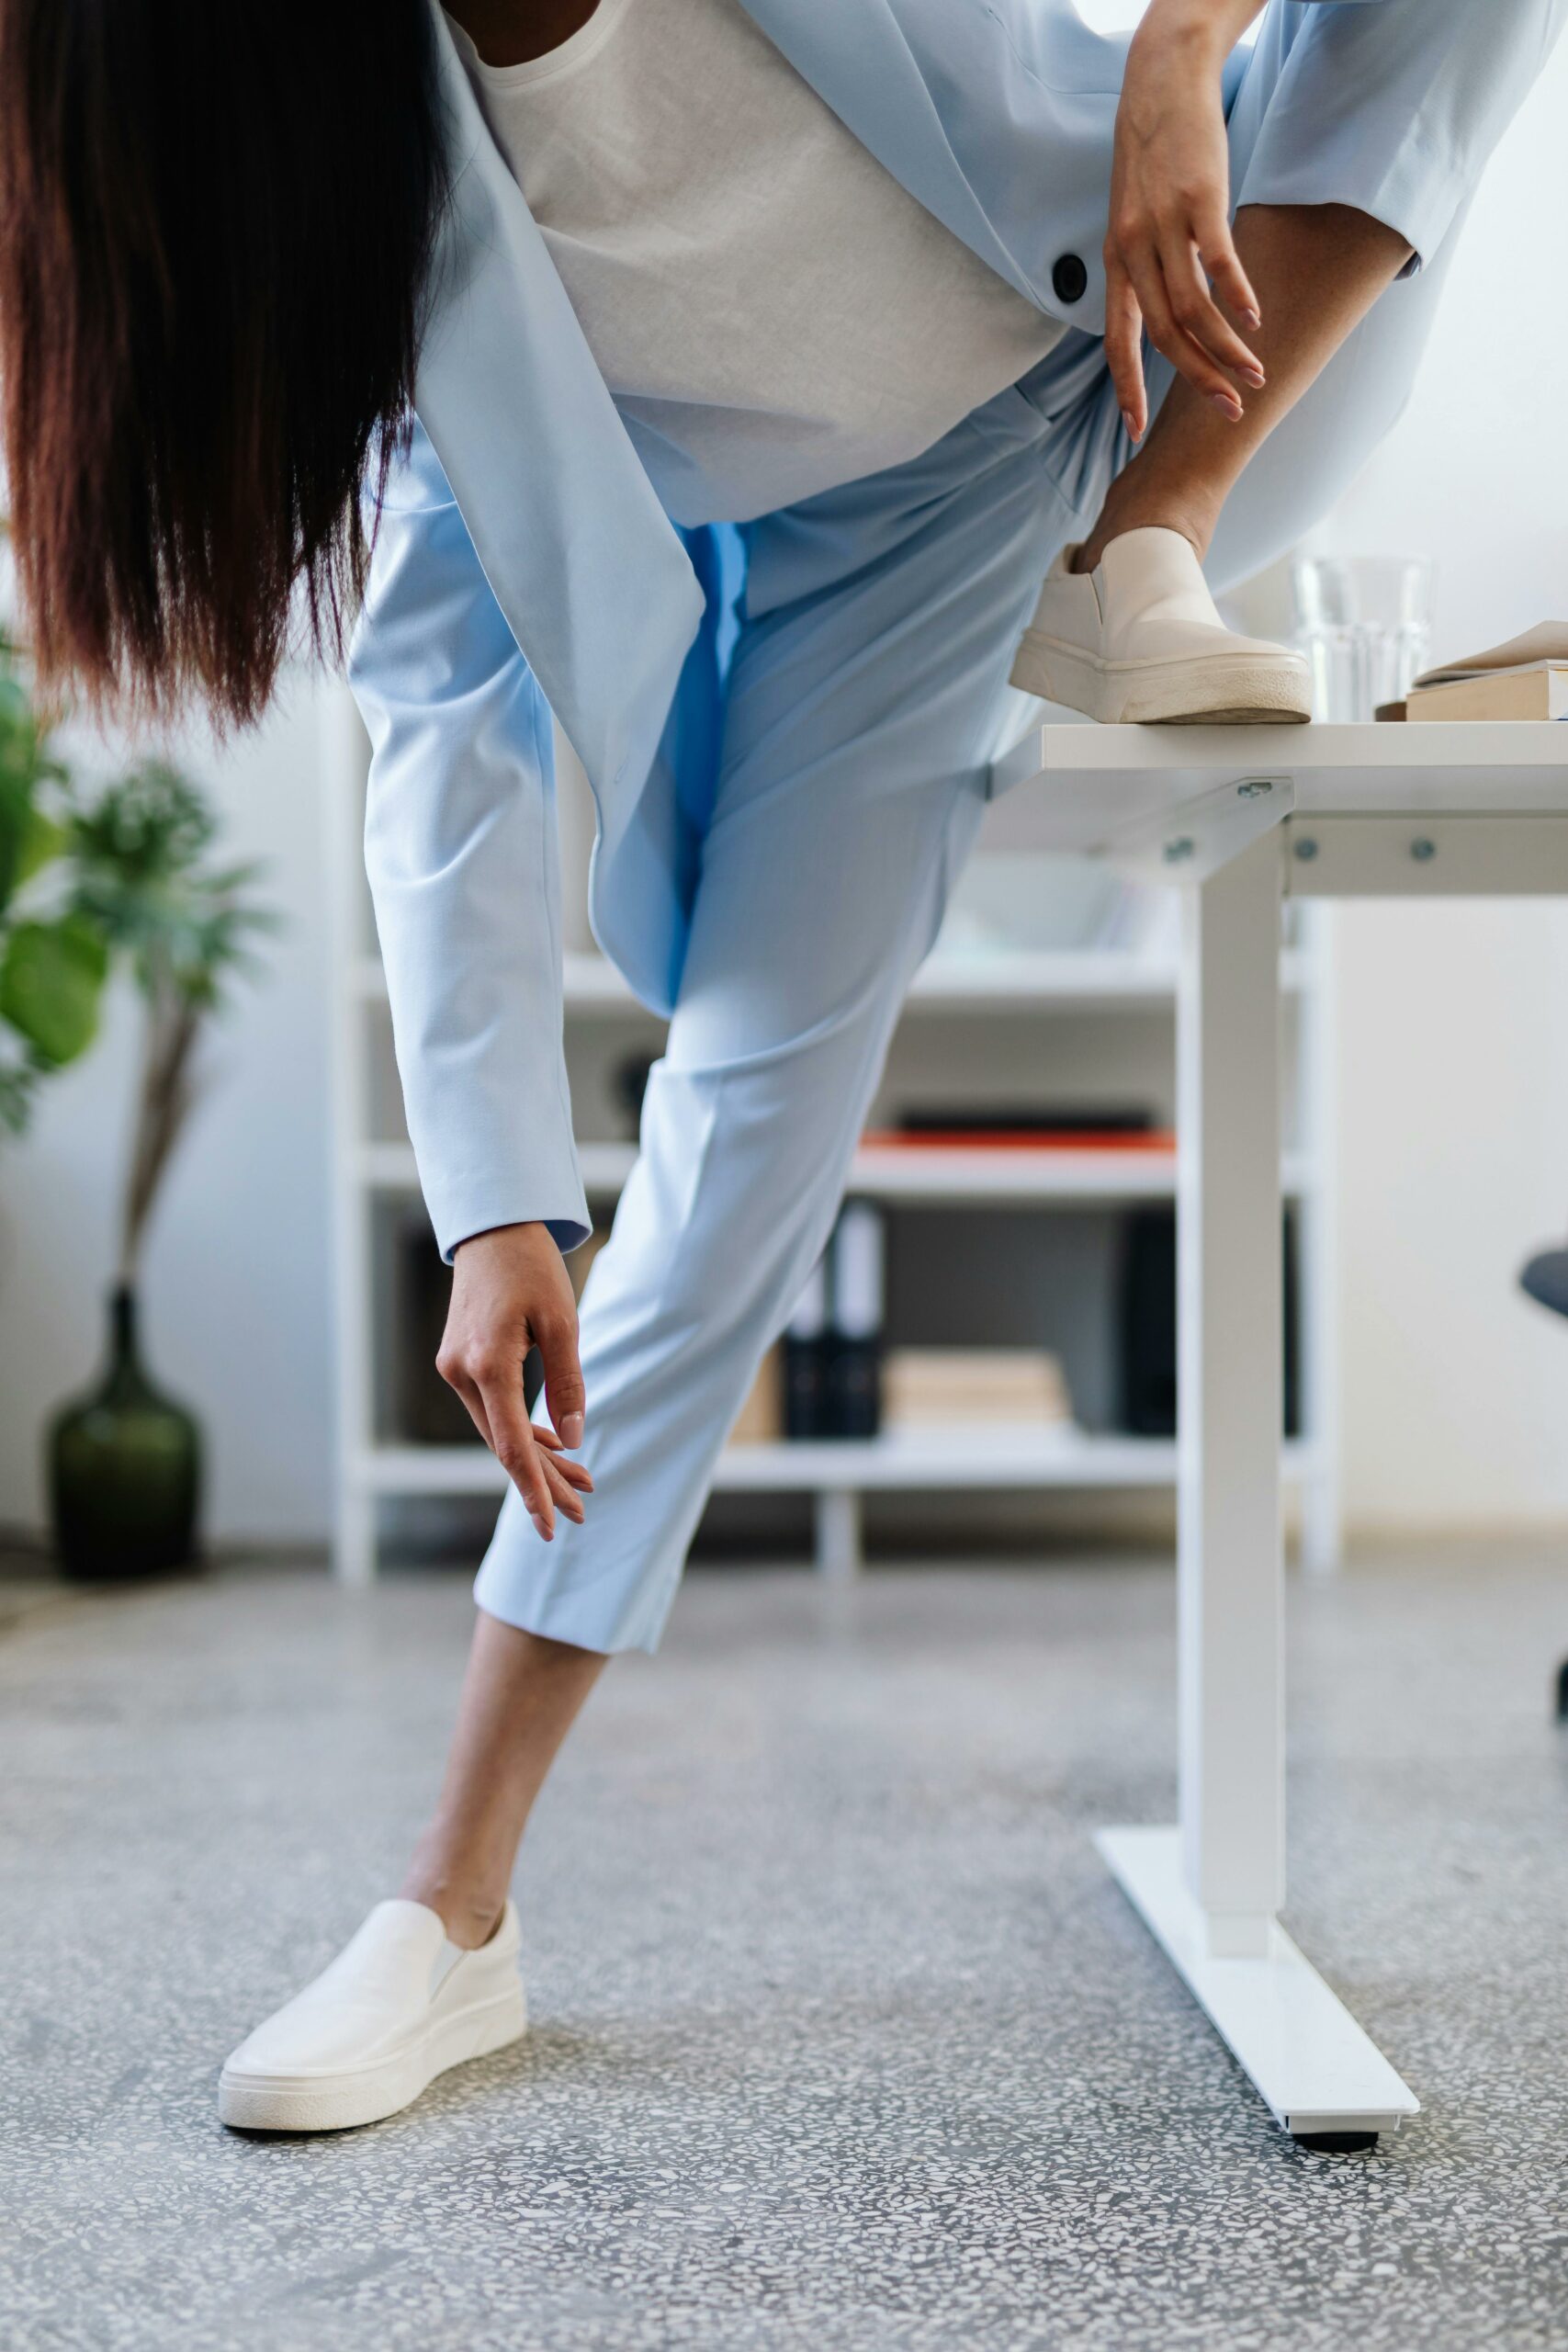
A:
(125, 1469)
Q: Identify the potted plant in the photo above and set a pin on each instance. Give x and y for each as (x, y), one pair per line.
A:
(140, 881)
(125, 878)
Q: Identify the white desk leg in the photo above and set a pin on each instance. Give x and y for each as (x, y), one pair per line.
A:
(1230, 1651)
(1210, 1889)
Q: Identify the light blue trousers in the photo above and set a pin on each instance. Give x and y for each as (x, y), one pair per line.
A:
(867, 699)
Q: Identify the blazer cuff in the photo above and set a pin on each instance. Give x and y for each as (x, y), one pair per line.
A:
(463, 1202)
(568, 1232)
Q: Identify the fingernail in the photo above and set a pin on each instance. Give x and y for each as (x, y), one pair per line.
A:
(1130, 421)
(571, 1429)
(1251, 319)
(540, 1529)
(1228, 406)
(1253, 376)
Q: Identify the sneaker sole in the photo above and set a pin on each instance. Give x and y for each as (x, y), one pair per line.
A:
(1223, 690)
(370, 2094)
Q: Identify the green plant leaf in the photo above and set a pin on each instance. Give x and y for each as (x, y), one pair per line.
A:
(43, 839)
(143, 876)
(52, 978)
(27, 764)
(18, 811)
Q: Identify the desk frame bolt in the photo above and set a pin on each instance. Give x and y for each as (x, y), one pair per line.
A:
(1421, 850)
(1254, 789)
(1306, 850)
(1174, 851)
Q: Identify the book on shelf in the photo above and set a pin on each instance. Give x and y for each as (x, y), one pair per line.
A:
(761, 1419)
(999, 1127)
(974, 1387)
(804, 1359)
(859, 1286)
(829, 1371)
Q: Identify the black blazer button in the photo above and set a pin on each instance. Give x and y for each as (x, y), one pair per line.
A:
(1070, 278)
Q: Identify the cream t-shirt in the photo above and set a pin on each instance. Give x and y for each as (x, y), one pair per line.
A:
(773, 312)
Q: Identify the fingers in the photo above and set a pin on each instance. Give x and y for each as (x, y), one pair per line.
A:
(565, 1491)
(545, 1476)
(1197, 314)
(1171, 340)
(1157, 281)
(511, 1443)
(510, 1293)
(554, 1336)
(1124, 345)
(574, 1473)
(489, 1381)
(1217, 251)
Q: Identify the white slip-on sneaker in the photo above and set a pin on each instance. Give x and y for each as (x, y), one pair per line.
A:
(396, 2008)
(1140, 637)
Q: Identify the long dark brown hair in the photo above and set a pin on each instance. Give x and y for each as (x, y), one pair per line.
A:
(215, 221)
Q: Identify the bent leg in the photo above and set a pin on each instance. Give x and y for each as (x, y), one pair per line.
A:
(1356, 136)
(864, 706)
(818, 911)
(1312, 454)
(1317, 271)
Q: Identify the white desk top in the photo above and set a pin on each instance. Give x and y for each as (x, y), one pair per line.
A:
(1096, 789)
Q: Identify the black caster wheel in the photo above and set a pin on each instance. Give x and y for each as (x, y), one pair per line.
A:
(1337, 2144)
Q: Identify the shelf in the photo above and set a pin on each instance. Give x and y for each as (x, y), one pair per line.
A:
(910, 1461)
(930, 1459)
(929, 1172)
(938, 1175)
(1035, 980)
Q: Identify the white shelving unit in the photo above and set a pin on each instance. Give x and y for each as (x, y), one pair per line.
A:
(1082, 977)
(369, 1170)
(926, 1173)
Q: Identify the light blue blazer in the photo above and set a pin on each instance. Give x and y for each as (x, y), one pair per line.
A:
(523, 566)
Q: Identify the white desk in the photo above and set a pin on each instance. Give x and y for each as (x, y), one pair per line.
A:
(1242, 818)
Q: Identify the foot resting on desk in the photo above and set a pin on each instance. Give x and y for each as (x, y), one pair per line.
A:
(1139, 638)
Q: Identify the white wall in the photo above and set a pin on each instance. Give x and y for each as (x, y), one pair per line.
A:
(1454, 1029)
(1454, 1060)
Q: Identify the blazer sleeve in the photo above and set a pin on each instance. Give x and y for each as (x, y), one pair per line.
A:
(461, 851)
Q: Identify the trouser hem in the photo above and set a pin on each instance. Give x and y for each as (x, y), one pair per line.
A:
(572, 1617)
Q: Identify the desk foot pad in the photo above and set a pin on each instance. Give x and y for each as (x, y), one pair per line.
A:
(1318, 2072)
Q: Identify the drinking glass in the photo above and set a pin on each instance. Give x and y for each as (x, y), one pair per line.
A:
(1364, 622)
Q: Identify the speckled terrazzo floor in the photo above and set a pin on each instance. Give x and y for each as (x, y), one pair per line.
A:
(843, 2040)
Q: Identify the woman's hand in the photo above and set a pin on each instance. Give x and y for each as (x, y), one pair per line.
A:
(510, 1293)
(1170, 233)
